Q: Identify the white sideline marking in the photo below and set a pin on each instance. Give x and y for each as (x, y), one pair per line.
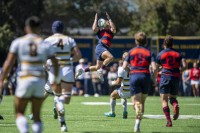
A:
(118, 103)
(101, 103)
(180, 117)
(7, 124)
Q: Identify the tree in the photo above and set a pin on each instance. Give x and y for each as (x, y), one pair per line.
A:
(80, 13)
(161, 17)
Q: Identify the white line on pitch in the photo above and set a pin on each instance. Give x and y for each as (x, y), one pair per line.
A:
(129, 103)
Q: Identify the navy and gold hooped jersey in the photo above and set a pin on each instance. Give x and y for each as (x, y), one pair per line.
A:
(170, 60)
(139, 59)
(62, 46)
(105, 37)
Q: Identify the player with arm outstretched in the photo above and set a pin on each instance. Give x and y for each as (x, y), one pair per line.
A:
(123, 92)
(104, 30)
(31, 53)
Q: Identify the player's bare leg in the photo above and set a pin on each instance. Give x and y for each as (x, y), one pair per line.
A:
(166, 110)
(113, 96)
(99, 67)
(59, 101)
(21, 121)
(36, 107)
(64, 98)
(137, 100)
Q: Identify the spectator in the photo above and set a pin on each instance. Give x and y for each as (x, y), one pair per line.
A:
(195, 76)
(88, 82)
(96, 82)
(186, 82)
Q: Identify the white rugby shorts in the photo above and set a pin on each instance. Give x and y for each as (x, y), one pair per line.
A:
(123, 94)
(30, 87)
(66, 74)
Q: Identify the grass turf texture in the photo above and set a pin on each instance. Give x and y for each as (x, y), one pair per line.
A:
(90, 119)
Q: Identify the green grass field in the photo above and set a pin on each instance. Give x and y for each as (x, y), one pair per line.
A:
(90, 119)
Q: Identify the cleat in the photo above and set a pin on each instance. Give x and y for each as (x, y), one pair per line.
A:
(109, 114)
(136, 130)
(63, 127)
(31, 116)
(80, 71)
(176, 112)
(1, 117)
(125, 115)
(169, 124)
(100, 74)
(96, 95)
(55, 115)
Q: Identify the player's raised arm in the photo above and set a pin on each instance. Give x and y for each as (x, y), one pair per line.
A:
(112, 25)
(94, 26)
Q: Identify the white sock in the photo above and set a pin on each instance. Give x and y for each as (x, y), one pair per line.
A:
(22, 124)
(37, 127)
(124, 104)
(137, 124)
(112, 105)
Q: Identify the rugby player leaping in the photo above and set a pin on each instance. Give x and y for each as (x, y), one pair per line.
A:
(104, 57)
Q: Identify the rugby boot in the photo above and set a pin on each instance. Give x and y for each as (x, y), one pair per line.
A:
(169, 124)
(109, 114)
(63, 127)
(79, 72)
(1, 117)
(125, 115)
(176, 112)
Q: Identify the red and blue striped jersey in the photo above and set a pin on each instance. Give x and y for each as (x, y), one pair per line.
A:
(105, 37)
(170, 60)
(139, 59)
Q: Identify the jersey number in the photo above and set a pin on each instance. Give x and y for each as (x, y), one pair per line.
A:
(140, 58)
(170, 60)
(60, 44)
(33, 49)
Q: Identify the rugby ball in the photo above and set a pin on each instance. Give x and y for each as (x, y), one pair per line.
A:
(102, 22)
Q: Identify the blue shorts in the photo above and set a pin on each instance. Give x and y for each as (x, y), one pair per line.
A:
(169, 85)
(139, 83)
(100, 48)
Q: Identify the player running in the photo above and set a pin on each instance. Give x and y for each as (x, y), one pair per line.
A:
(139, 59)
(104, 35)
(31, 54)
(64, 47)
(123, 92)
(170, 60)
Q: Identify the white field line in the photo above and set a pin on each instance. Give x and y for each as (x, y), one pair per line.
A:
(180, 117)
(144, 116)
(118, 103)
(101, 103)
